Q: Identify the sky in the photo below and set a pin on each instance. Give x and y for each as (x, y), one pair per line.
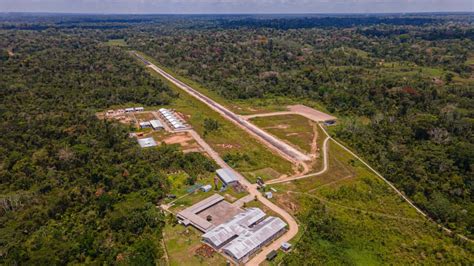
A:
(236, 6)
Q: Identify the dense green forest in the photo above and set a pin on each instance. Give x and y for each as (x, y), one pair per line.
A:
(404, 91)
(75, 189)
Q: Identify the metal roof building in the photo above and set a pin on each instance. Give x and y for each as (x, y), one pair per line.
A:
(238, 225)
(172, 119)
(248, 243)
(189, 215)
(147, 142)
(145, 124)
(227, 175)
(156, 124)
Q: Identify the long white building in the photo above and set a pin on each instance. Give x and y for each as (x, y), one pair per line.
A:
(244, 234)
(171, 118)
(225, 232)
(241, 248)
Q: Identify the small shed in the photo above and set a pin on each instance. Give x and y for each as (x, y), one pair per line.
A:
(206, 188)
(227, 176)
(286, 246)
(145, 124)
(268, 195)
(272, 255)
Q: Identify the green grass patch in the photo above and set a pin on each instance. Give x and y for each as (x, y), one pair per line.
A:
(265, 174)
(363, 221)
(294, 129)
(228, 139)
(181, 243)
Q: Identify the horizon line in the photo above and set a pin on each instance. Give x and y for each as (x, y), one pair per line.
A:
(241, 13)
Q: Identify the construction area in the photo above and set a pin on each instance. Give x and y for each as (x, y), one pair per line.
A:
(235, 232)
(155, 127)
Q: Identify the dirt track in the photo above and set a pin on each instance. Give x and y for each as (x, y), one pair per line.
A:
(282, 148)
(254, 193)
(275, 144)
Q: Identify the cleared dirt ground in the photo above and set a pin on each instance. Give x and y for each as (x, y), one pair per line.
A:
(187, 142)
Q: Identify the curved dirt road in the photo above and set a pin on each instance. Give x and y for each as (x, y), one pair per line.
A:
(325, 168)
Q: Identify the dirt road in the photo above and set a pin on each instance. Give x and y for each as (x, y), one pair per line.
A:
(254, 193)
(292, 178)
(275, 144)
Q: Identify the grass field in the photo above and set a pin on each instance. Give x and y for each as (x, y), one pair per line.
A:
(371, 225)
(375, 226)
(294, 129)
(181, 243)
(180, 188)
(250, 155)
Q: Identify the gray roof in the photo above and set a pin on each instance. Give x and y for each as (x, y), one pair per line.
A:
(255, 238)
(156, 123)
(189, 214)
(239, 224)
(227, 175)
(147, 142)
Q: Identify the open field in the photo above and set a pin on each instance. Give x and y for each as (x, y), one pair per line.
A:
(374, 225)
(231, 142)
(181, 245)
(144, 116)
(353, 197)
(184, 139)
(293, 129)
(180, 188)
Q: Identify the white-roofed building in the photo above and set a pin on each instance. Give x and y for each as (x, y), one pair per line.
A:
(174, 121)
(227, 176)
(147, 142)
(242, 247)
(206, 188)
(156, 124)
(239, 224)
(129, 110)
(139, 109)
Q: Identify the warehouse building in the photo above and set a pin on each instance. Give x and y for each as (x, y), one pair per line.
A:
(241, 248)
(227, 176)
(244, 234)
(156, 124)
(171, 118)
(224, 233)
(189, 215)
